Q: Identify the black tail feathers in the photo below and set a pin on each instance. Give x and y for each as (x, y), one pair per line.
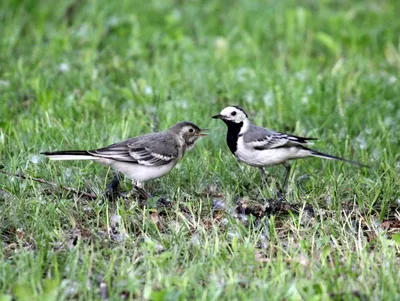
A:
(67, 153)
(326, 156)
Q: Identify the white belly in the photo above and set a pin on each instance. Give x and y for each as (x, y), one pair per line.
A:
(137, 172)
(143, 173)
(268, 157)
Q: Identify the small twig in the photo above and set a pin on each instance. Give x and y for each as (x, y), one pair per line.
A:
(90, 196)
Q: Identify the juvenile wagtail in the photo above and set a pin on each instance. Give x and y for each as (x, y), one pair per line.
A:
(261, 147)
(144, 157)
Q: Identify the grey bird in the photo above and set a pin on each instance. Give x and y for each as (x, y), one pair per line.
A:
(261, 147)
(142, 158)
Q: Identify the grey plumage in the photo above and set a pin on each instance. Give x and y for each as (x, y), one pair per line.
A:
(144, 157)
(263, 138)
(151, 149)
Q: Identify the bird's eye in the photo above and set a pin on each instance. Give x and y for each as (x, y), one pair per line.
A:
(233, 113)
(191, 130)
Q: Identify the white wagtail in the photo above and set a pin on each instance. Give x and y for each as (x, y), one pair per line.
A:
(261, 147)
(144, 157)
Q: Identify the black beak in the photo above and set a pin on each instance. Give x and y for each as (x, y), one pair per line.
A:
(219, 116)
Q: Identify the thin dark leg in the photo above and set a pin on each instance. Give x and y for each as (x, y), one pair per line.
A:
(112, 188)
(263, 177)
(282, 190)
(285, 180)
(139, 188)
(143, 193)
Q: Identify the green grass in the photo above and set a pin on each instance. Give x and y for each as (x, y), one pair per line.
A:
(84, 74)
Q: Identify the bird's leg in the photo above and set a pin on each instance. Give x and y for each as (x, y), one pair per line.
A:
(263, 177)
(138, 186)
(285, 180)
(282, 190)
(112, 188)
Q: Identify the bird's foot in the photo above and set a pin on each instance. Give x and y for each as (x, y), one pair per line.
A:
(163, 202)
(280, 195)
(112, 189)
(118, 194)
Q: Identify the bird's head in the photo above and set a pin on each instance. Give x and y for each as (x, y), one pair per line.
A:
(232, 114)
(189, 132)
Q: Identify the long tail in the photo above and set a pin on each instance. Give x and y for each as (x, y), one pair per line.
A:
(69, 155)
(318, 154)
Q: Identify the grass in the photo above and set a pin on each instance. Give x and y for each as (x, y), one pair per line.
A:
(84, 74)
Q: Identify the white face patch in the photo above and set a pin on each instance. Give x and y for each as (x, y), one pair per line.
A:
(233, 114)
(189, 135)
(185, 130)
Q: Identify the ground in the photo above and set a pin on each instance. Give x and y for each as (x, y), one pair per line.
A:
(85, 74)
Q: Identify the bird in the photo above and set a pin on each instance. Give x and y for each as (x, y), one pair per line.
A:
(141, 158)
(261, 147)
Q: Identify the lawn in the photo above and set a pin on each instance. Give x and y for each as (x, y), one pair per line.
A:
(85, 74)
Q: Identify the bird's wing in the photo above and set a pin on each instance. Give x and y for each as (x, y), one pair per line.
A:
(261, 138)
(269, 141)
(150, 150)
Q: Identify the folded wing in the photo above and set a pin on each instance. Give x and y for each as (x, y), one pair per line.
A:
(150, 150)
(260, 138)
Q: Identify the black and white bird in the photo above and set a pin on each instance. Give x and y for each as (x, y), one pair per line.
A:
(142, 158)
(261, 147)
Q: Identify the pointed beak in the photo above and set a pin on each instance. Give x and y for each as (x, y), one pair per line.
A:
(219, 116)
(202, 133)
